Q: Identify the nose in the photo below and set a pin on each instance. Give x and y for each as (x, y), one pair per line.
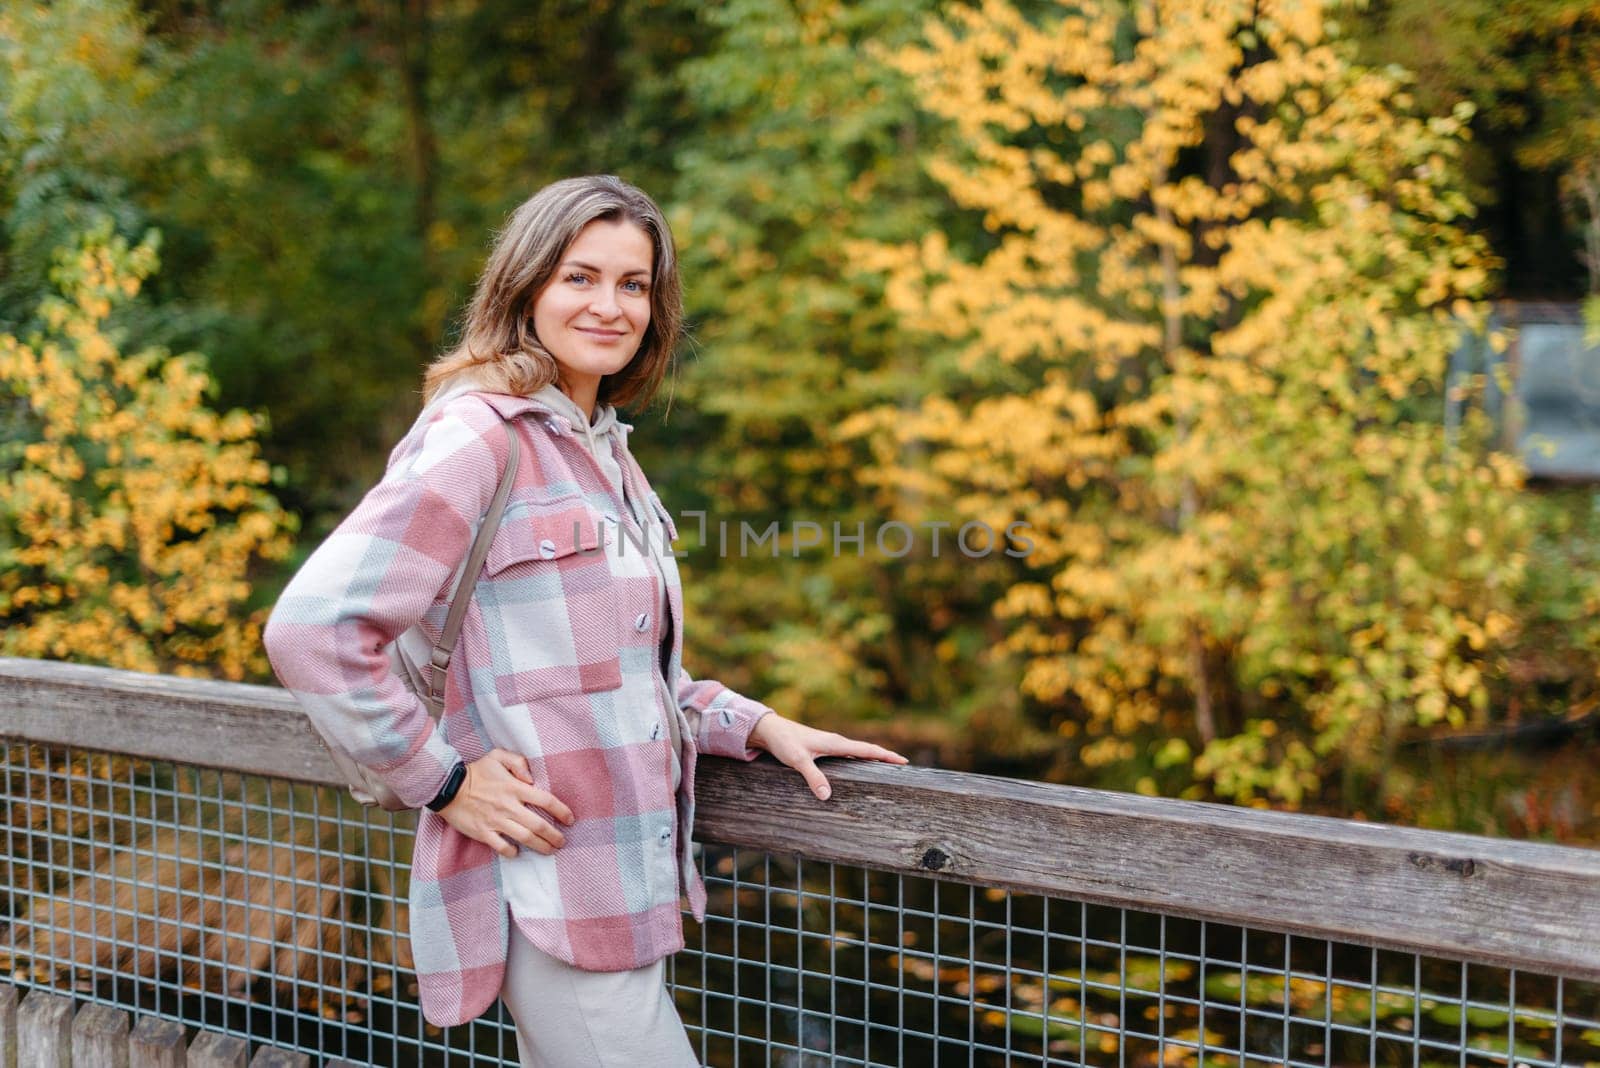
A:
(604, 303)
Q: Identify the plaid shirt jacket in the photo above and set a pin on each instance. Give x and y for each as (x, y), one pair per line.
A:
(560, 659)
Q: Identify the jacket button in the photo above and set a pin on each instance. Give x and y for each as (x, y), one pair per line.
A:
(547, 549)
(642, 623)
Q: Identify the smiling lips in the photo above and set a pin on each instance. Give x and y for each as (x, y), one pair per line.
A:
(599, 334)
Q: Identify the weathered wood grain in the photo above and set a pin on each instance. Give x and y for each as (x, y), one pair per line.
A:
(160, 717)
(156, 1043)
(44, 1030)
(100, 1037)
(8, 1026)
(273, 1057)
(1514, 903)
(211, 1050)
(1523, 904)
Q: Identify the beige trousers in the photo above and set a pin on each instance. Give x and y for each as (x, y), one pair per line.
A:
(569, 1018)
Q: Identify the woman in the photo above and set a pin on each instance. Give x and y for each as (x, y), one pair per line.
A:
(558, 787)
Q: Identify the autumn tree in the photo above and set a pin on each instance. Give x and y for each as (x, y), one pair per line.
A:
(130, 512)
(798, 146)
(1204, 359)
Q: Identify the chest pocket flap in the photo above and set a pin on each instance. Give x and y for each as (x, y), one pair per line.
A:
(545, 531)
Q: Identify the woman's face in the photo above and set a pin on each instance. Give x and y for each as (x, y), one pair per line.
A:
(592, 314)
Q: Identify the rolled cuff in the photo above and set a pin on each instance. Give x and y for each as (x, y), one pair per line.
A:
(726, 723)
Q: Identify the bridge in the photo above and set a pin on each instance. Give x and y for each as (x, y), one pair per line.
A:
(182, 850)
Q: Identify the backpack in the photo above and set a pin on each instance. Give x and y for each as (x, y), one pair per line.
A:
(422, 665)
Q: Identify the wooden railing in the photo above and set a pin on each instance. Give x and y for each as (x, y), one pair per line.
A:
(1516, 904)
(172, 853)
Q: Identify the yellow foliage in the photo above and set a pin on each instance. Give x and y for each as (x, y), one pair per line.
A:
(130, 513)
(1235, 264)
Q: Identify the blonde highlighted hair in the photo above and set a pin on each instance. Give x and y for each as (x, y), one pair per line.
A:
(499, 351)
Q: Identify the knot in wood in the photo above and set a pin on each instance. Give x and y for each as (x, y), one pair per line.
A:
(935, 859)
(1462, 866)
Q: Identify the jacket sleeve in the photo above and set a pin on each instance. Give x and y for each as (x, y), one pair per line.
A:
(720, 718)
(375, 576)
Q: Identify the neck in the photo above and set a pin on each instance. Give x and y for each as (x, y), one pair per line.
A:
(584, 391)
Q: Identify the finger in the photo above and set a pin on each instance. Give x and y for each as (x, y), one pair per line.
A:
(541, 827)
(550, 834)
(515, 763)
(532, 822)
(545, 802)
(814, 778)
(497, 843)
(831, 744)
(536, 834)
(553, 805)
(840, 745)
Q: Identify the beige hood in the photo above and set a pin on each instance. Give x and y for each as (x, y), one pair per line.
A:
(595, 436)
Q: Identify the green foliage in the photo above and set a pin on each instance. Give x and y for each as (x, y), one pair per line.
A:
(73, 84)
(1531, 71)
(325, 176)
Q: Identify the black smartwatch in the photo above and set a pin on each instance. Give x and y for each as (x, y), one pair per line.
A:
(452, 786)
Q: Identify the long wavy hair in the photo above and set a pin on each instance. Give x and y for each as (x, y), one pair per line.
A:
(499, 350)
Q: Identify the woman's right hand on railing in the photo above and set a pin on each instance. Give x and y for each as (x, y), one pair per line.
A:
(499, 806)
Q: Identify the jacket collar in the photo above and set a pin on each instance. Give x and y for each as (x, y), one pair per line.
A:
(510, 406)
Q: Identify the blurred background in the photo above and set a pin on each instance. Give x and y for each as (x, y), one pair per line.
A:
(1275, 323)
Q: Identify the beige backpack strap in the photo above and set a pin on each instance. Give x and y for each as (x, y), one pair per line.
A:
(439, 662)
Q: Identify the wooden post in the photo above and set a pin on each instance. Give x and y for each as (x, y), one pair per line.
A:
(100, 1037)
(156, 1043)
(8, 1026)
(211, 1050)
(272, 1057)
(44, 1031)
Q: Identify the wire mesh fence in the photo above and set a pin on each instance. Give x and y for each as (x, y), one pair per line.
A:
(275, 910)
(805, 963)
(237, 903)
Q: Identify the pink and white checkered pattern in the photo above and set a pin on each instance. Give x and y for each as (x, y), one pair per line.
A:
(559, 659)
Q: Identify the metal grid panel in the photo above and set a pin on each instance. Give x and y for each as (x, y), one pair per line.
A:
(806, 963)
(268, 909)
(236, 903)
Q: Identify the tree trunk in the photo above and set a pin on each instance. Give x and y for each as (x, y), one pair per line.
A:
(1205, 720)
(414, 40)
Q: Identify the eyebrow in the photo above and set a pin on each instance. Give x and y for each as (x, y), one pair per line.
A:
(592, 269)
